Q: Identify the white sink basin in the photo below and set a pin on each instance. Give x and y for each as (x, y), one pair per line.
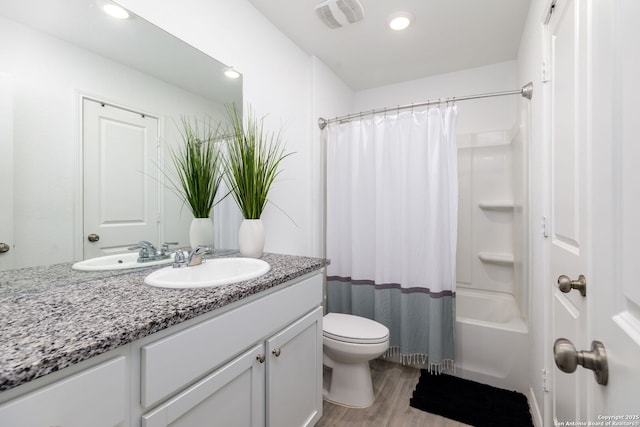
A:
(116, 262)
(212, 272)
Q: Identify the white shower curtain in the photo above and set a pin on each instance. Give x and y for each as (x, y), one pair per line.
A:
(392, 201)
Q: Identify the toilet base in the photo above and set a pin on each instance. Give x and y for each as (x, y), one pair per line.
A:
(350, 384)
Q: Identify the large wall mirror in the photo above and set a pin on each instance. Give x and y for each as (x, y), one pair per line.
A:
(62, 61)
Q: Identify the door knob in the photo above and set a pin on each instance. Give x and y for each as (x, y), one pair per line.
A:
(4, 248)
(93, 237)
(567, 359)
(566, 284)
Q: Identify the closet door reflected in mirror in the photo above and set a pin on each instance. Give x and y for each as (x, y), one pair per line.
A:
(120, 182)
(6, 168)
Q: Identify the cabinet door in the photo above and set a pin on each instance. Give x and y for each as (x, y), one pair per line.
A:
(97, 397)
(232, 396)
(294, 373)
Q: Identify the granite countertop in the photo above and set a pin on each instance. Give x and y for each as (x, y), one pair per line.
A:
(54, 317)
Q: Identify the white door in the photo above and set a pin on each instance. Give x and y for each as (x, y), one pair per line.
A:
(594, 154)
(120, 179)
(614, 297)
(569, 230)
(6, 171)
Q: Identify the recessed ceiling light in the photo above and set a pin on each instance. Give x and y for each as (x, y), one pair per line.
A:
(231, 73)
(115, 11)
(399, 21)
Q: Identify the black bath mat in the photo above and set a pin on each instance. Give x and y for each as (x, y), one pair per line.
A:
(470, 402)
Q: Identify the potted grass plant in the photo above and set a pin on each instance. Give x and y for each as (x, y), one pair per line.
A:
(198, 173)
(251, 165)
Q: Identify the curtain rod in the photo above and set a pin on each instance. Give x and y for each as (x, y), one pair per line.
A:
(526, 92)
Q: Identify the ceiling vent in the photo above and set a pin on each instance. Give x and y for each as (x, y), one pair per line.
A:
(338, 13)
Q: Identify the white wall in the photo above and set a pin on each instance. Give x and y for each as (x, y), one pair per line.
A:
(330, 98)
(530, 58)
(473, 116)
(276, 81)
(48, 76)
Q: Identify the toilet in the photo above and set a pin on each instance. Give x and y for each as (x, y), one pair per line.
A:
(349, 343)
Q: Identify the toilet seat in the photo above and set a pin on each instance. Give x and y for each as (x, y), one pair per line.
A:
(353, 329)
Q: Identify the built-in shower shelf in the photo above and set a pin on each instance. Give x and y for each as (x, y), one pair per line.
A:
(496, 205)
(496, 258)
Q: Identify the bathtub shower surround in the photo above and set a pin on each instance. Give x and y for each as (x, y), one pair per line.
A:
(492, 292)
(392, 200)
(485, 258)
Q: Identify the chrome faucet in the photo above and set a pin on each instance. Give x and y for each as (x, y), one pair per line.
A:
(195, 257)
(148, 252)
(164, 250)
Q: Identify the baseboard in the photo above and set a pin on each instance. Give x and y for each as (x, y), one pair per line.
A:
(536, 416)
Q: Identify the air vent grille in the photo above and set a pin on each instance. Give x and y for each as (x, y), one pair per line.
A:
(338, 13)
(327, 17)
(352, 9)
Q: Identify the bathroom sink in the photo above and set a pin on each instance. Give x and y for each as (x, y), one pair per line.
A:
(116, 262)
(212, 272)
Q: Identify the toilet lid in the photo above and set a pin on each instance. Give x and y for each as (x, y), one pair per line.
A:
(354, 329)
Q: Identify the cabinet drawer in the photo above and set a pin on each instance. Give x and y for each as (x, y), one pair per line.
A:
(169, 364)
(97, 397)
(231, 396)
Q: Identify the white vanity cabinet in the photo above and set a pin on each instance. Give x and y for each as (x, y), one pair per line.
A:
(274, 384)
(253, 363)
(96, 396)
(273, 373)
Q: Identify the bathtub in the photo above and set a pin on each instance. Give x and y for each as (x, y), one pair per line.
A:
(491, 339)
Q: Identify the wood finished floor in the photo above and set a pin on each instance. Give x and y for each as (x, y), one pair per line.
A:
(393, 385)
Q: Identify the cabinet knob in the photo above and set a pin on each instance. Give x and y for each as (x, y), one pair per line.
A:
(276, 352)
(260, 358)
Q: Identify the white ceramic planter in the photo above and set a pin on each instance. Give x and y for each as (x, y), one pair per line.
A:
(201, 232)
(251, 238)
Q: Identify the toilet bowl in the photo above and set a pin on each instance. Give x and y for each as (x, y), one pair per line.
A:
(349, 343)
